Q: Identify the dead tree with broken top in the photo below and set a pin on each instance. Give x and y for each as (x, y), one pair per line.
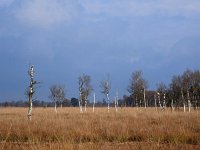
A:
(31, 91)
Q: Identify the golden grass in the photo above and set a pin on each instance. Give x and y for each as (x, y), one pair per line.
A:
(126, 129)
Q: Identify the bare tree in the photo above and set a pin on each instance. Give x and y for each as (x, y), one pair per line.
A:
(186, 89)
(137, 88)
(85, 89)
(80, 84)
(186, 85)
(57, 94)
(31, 91)
(94, 101)
(176, 91)
(155, 101)
(116, 102)
(105, 89)
(195, 88)
(161, 91)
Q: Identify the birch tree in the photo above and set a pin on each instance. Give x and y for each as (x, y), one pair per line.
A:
(94, 101)
(116, 102)
(31, 91)
(155, 101)
(176, 90)
(161, 91)
(57, 94)
(195, 89)
(105, 89)
(80, 84)
(186, 85)
(137, 88)
(85, 89)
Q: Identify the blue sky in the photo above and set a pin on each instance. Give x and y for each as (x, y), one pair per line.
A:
(66, 38)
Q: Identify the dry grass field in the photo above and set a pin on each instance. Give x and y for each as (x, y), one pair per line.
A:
(126, 129)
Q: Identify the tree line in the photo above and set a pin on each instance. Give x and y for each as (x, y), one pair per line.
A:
(182, 92)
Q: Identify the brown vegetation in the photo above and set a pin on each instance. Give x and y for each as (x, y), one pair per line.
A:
(126, 129)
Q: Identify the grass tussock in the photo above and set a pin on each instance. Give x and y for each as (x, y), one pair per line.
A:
(126, 129)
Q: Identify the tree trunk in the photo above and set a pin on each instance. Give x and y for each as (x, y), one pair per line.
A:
(55, 107)
(172, 105)
(189, 102)
(159, 101)
(183, 100)
(136, 100)
(94, 102)
(155, 101)
(30, 106)
(85, 105)
(30, 99)
(80, 106)
(116, 104)
(108, 100)
(164, 102)
(80, 103)
(145, 103)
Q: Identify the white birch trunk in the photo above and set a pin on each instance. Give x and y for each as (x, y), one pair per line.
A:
(159, 101)
(80, 106)
(108, 101)
(80, 103)
(196, 103)
(164, 101)
(189, 102)
(94, 101)
(155, 100)
(30, 94)
(136, 102)
(115, 104)
(172, 105)
(145, 103)
(55, 108)
(30, 108)
(85, 105)
(184, 108)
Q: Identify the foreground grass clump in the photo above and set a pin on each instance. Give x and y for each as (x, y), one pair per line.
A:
(126, 129)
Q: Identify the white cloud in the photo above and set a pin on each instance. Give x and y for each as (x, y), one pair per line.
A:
(133, 60)
(45, 13)
(142, 7)
(5, 3)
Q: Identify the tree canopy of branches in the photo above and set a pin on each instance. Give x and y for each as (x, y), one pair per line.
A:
(137, 86)
(57, 94)
(186, 88)
(105, 89)
(161, 94)
(85, 89)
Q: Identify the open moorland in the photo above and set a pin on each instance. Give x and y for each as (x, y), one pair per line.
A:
(129, 128)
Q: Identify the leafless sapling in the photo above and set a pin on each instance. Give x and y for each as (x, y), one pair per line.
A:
(94, 101)
(85, 89)
(105, 89)
(57, 94)
(116, 102)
